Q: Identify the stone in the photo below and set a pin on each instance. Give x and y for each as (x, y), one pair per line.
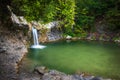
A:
(88, 77)
(18, 21)
(48, 76)
(28, 76)
(69, 77)
(68, 37)
(41, 70)
(2, 50)
(9, 56)
(23, 20)
(52, 24)
(97, 78)
(55, 72)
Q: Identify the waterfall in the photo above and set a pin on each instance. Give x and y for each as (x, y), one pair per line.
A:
(35, 36)
(35, 39)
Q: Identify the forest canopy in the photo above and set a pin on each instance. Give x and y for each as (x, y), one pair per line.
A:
(76, 16)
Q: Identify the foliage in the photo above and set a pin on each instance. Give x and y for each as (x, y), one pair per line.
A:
(47, 11)
(50, 12)
(66, 14)
(79, 31)
(31, 9)
(75, 16)
(112, 15)
(89, 11)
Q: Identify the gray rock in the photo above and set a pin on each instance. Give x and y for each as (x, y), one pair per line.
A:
(55, 72)
(53, 33)
(9, 56)
(52, 24)
(48, 76)
(41, 70)
(2, 50)
(97, 78)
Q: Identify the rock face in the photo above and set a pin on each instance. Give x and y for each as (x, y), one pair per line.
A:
(12, 50)
(54, 34)
(12, 46)
(18, 21)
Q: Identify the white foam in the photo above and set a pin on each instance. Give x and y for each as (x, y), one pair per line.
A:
(38, 46)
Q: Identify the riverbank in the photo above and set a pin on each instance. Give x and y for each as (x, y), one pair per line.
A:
(42, 73)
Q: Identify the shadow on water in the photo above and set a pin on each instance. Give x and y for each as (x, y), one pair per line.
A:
(97, 58)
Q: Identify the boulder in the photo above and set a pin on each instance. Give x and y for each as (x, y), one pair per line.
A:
(41, 70)
(68, 37)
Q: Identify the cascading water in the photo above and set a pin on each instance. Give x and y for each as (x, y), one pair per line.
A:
(35, 38)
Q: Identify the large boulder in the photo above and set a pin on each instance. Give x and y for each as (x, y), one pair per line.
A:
(54, 32)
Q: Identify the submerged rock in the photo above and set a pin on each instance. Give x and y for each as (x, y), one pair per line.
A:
(41, 70)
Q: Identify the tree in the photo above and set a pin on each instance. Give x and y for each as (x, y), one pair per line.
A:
(47, 11)
(75, 16)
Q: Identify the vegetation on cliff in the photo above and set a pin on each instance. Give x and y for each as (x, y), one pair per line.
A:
(78, 17)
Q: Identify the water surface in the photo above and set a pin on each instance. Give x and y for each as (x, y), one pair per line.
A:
(96, 58)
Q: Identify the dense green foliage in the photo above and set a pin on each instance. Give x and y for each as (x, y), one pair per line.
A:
(76, 16)
(90, 11)
(47, 10)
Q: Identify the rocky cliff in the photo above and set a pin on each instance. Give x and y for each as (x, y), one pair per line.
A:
(12, 46)
(12, 50)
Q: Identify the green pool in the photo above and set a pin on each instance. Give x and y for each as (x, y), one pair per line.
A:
(96, 58)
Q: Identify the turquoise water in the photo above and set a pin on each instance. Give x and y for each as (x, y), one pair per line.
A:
(96, 58)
